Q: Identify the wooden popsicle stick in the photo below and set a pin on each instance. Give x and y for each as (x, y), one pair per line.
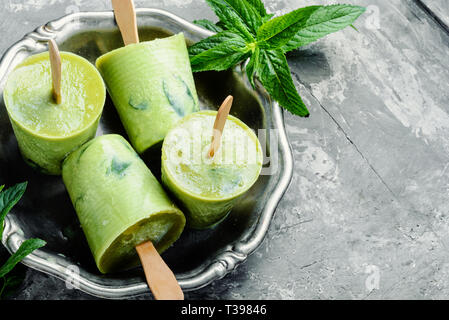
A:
(55, 65)
(219, 124)
(160, 278)
(125, 15)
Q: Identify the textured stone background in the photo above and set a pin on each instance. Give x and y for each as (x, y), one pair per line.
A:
(368, 200)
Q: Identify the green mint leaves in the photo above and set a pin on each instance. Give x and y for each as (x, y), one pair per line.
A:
(275, 76)
(8, 199)
(321, 22)
(247, 31)
(219, 52)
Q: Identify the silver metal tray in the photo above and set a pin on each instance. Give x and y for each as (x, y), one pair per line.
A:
(45, 211)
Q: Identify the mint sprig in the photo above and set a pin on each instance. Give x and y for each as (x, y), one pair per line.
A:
(8, 199)
(246, 31)
(219, 52)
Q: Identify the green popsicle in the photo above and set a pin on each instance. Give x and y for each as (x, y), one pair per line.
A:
(208, 188)
(119, 202)
(152, 87)
(46, 132)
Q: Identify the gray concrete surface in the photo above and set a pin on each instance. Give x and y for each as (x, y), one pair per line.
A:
(366, 215)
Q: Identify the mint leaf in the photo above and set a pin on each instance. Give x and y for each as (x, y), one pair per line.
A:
(10, 284)
(325, 20)
(251, 12)
(247, 13)
(25, 249)
(278, 31)
(218, 52)
(221, 25)
(258, 5)
(252, 66)
(231, 19)
(267, 17)
(246, 30)
(213, 41)
(275, 76)
(209, 25)
(8, 199)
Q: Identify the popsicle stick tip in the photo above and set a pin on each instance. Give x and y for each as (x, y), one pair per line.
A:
(160, 278)
(125, 16)
(56, 73)
(220, 120)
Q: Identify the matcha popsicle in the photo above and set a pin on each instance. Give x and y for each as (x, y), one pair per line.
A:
(119, 202)
(152, 87)
(206, 186)
(45, 130)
